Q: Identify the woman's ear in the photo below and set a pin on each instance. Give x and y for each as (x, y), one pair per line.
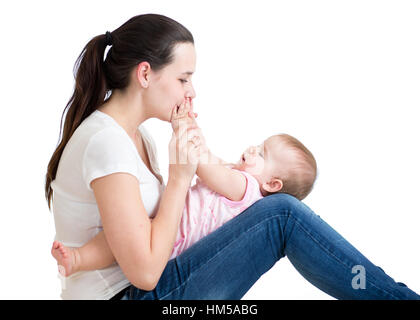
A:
(274, 185)
(143, 74)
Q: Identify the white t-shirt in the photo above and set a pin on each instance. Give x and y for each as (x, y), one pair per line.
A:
(98, 147)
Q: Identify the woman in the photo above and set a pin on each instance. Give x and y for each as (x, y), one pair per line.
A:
(104, 175)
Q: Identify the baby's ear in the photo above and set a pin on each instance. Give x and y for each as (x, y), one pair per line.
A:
(274, 185)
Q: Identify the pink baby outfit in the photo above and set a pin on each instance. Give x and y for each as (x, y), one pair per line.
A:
(205, 211)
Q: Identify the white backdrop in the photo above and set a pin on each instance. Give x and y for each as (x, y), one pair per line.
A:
(341, 76)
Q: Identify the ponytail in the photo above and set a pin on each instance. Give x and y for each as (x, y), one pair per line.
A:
(89, 93)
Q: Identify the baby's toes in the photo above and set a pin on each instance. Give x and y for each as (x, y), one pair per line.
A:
(184, 109)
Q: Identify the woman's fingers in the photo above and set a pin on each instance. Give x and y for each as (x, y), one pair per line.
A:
(194, 150)
(195, 140)
(188, 134)
(189, 139)
(184, 124)
(183, 144)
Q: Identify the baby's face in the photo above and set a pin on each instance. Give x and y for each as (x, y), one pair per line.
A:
(264, 161)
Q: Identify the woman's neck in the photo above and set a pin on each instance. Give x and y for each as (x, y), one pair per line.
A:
(127, 110)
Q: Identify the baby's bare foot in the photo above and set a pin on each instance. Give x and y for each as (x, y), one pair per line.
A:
(180, 115)
(65, 257)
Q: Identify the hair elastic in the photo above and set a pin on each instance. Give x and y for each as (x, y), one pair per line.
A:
(108, 38)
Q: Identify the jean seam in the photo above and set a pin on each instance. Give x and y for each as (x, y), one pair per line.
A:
(288, 215)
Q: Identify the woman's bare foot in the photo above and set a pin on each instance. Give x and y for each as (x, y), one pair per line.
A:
(66, 258)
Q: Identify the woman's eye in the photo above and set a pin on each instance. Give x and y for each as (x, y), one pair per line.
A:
(183, 81)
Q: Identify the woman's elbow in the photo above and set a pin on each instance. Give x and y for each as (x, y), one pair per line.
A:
(146, 282)
(142, 271)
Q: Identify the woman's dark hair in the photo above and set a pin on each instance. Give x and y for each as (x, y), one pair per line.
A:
(148, 37)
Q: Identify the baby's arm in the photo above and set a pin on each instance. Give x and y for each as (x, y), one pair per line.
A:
(220, 177)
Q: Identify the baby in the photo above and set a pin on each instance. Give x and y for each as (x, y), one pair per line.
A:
(281, 164)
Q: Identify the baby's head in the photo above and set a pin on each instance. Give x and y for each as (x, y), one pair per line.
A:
(281, 164)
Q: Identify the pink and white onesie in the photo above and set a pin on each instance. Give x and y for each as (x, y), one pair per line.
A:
(205, 210)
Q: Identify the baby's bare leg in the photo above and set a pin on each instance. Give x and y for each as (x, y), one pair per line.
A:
(94, 255)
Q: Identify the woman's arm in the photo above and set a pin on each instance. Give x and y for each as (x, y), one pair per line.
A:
(141, 246)
(93, 255)
(213, 171)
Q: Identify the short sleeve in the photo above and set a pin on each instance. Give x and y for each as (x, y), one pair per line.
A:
(109, 151)
(252, 193)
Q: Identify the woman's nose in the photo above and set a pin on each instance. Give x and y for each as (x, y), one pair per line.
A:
(190, 92)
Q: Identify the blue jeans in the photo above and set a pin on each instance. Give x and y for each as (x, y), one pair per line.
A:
(226, 263)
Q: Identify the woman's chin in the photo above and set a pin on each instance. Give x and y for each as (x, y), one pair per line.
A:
(165, 117)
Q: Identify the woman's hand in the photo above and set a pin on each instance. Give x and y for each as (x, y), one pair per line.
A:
(187, 118)
(185, 144)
